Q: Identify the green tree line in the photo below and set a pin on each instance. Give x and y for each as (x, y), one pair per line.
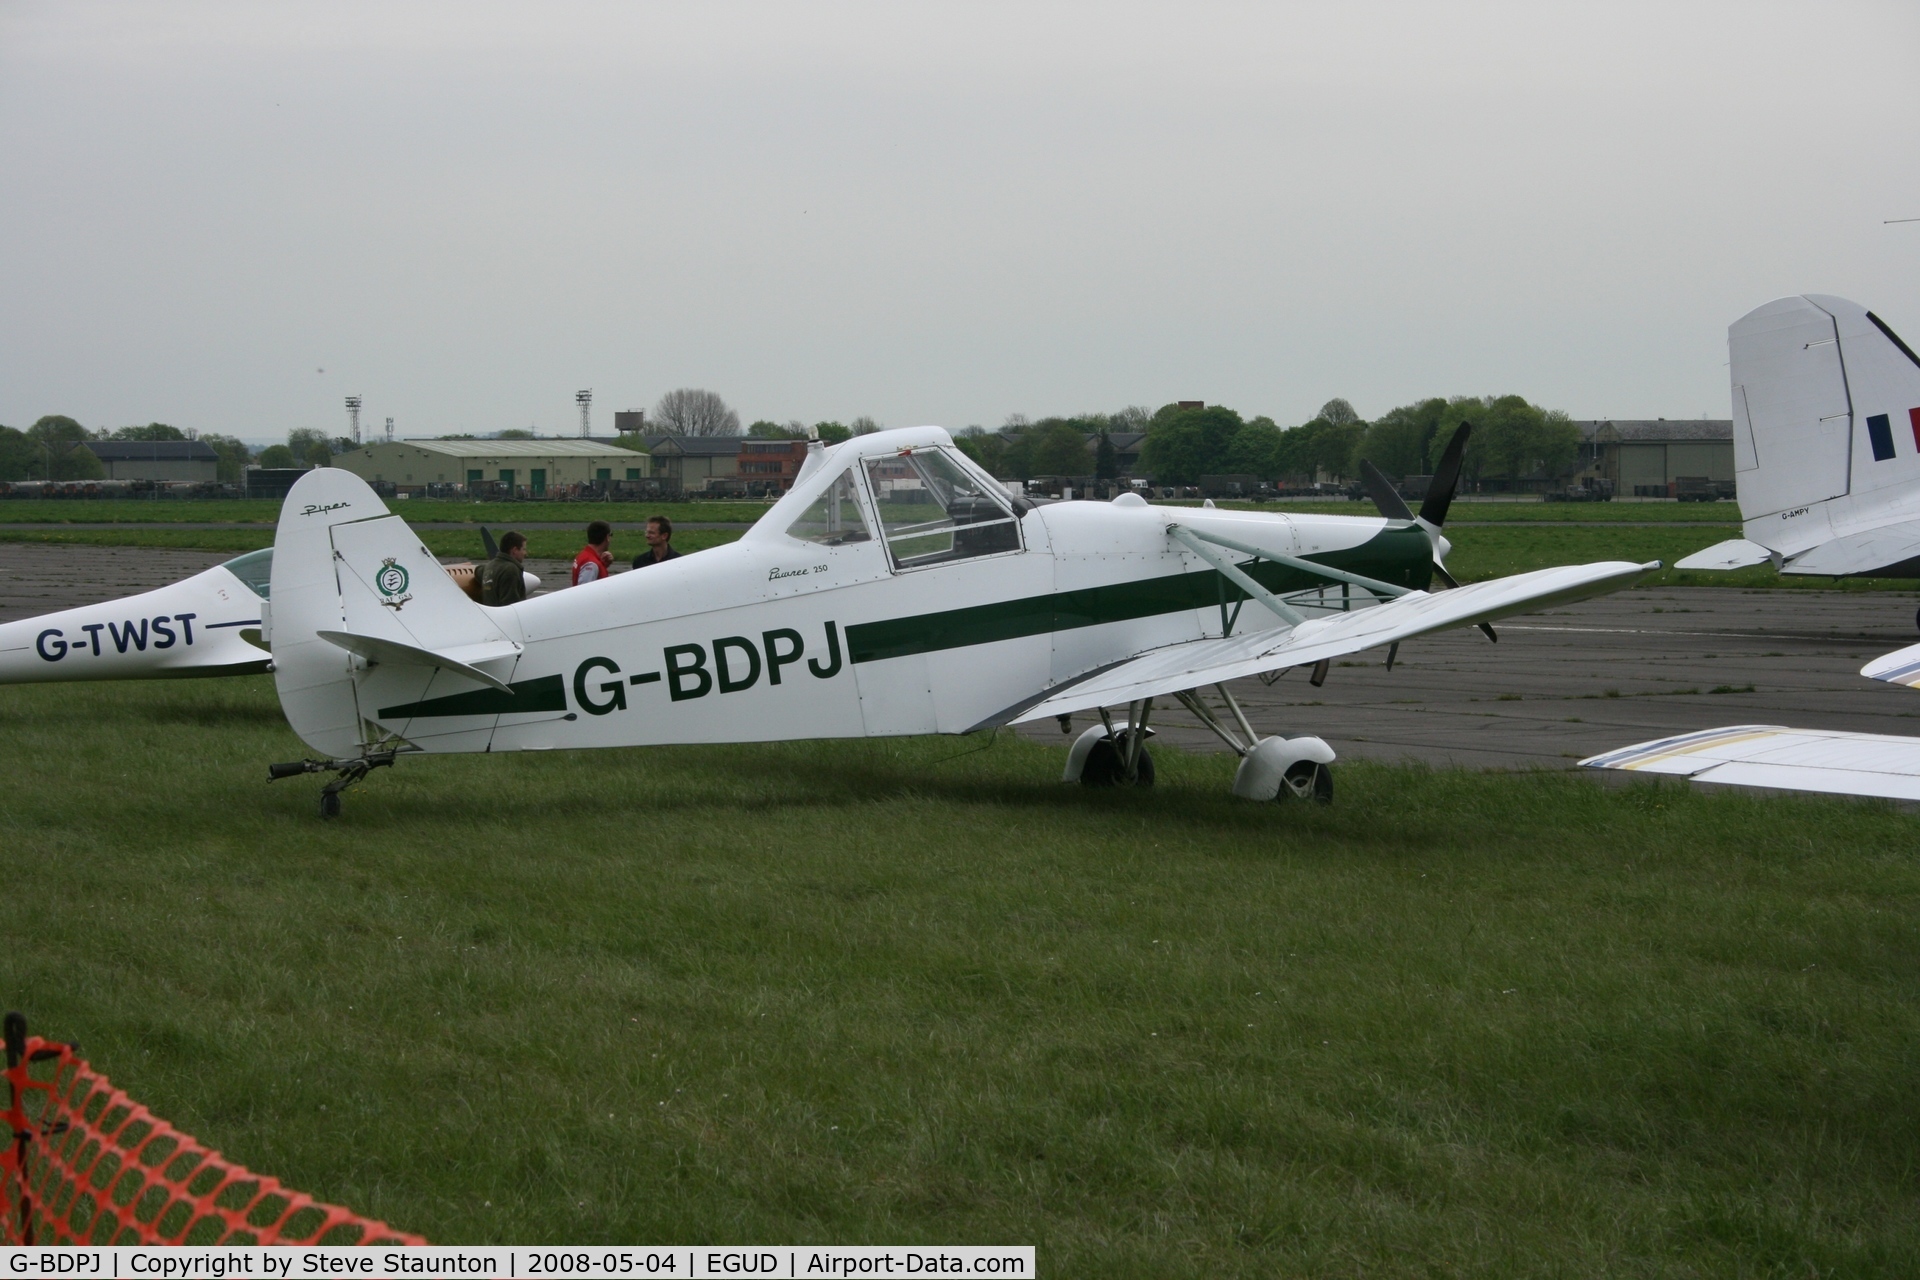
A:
(51, 449)
(1513, 439)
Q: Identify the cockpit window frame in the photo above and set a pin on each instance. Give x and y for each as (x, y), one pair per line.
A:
(863, 505)
(990, 488)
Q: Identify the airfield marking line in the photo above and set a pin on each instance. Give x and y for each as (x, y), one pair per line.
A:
(1716, 635)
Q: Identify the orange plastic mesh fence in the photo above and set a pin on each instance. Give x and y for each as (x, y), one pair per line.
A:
(88, 1165)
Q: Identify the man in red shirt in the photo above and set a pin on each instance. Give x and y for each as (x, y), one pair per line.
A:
(594, 563)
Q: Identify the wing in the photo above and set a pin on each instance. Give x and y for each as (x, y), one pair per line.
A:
(1202, 662)
(1768, 755)
(1735, 553)
(1902, 666)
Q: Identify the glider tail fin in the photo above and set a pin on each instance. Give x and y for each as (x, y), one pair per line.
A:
(364, 615)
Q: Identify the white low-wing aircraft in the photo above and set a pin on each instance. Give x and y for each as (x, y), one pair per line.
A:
(205, 625)
(1826, 442)
(1824, 761)
(896, 589)
(198, 626)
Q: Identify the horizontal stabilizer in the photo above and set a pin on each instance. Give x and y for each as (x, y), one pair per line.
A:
(1824, 761)
(1892, 550)
(1735, 553)
(460, 660)
(1202, 662)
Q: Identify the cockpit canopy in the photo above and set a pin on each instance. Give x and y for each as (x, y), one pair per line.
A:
(930, 506)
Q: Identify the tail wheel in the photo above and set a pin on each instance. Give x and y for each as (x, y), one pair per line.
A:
(1106, 765)
(1308, 780)
(329, 804)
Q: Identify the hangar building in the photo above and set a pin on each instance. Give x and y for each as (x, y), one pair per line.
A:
(527, 468)
(188, 460)
(1643, 458)
(694, 462)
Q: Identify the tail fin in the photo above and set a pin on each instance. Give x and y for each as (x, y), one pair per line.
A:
(365, 617)
(1826, 403)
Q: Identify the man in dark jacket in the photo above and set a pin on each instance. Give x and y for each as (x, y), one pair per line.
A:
(659, 543)
(505, 582)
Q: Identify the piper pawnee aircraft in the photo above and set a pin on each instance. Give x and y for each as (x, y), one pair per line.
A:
(1824, 761)
(895, 589)
(205, 625)
(1826, 442)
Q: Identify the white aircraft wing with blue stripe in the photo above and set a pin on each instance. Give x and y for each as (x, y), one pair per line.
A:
(1902, 666)
(1824, 761)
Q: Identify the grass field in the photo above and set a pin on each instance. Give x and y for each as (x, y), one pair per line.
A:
(887, 992)
(1478, 553)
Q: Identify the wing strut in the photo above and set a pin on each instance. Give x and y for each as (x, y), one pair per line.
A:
(1234, 574)
(1187, 536)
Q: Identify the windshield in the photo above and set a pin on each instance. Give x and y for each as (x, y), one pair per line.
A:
(932, 510)
(254, 568)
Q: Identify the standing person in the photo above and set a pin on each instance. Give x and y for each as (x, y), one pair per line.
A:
(659, 543)
(594, 563)
(505, 581)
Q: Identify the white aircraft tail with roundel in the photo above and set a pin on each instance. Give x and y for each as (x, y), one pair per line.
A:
(1826, 440)
(353, 588)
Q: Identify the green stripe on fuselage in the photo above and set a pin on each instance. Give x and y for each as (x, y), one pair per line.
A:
(548, 693)
(1400, 555)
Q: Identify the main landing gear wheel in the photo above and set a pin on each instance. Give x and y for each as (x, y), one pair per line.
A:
(1106, 765)
(1308, 780)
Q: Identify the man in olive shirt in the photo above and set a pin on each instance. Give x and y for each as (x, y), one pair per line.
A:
(505, 582)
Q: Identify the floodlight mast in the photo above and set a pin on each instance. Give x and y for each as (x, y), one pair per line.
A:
(585, 400)
(353, 416)
(389, 430)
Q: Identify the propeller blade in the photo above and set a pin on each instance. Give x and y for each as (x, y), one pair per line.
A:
(1440, 572)
(1381, 490)
(486, 540)
(1433, 511)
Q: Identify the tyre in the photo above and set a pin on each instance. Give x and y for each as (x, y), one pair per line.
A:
(329, 804)
(1104, 768)
(1308, 780)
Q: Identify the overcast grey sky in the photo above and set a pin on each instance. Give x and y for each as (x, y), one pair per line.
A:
(928, 213)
